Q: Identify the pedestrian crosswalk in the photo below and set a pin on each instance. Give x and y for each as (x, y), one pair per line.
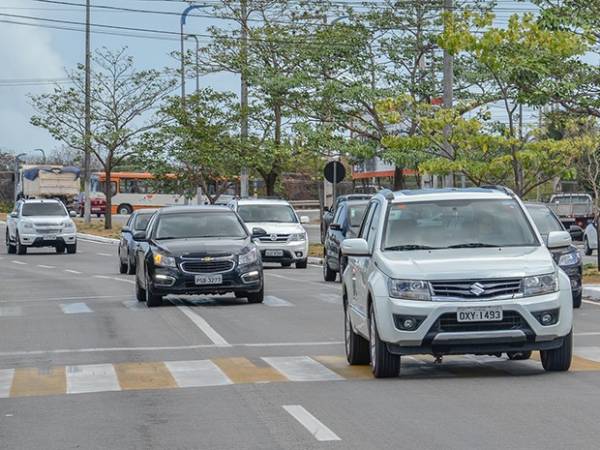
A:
(132, 376)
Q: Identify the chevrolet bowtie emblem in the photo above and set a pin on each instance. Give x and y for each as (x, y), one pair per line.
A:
(208, 258)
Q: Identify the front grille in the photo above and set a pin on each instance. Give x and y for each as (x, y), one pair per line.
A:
(207, 266)
(275, 238)
(47, 230)
(475, 289)
(511, 320)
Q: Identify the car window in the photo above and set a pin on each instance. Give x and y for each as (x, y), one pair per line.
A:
(141, 221)
(190, 225)
(367, 221)
(356, 214)
(43, 209)
(267, 213)
(339, 214)
(544, 220)
(372, 230)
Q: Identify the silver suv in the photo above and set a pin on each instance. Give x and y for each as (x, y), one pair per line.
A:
(40, 223)
(457, 271)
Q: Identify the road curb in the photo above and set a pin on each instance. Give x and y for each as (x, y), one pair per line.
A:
(591, 292)
(94, 238)
(315, 260)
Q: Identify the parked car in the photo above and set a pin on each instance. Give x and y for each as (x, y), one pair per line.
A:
(346, 224)
(203, 250)
(138, 221)
(590, 238)
(286, 240)
(568, 258)
(574, 210)
(330, 213)
(97, 204)
(40, 223)
(461, 271)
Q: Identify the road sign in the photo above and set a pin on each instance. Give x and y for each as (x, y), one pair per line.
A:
(334, 171)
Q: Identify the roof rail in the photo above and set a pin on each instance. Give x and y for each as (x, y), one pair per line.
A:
(388, 194)
(498, 187)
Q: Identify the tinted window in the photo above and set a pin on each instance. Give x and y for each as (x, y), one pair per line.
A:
(544, 220)
(356, 214)
(458, 223)
(199, 225)
(43, 209)
(141, 221)
(267, 213)
(367, 221)
(338, 215)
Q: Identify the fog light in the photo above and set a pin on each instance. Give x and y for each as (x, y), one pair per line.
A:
(408, 323)
(299, 254)
(164, 280)
(547, 318)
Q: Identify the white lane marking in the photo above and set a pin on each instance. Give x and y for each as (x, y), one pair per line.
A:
(153, 349)
(6, 379)
(334, 299)
(75, 308)
(311, 423)
(10, 311)
(271, 300)
(317, 283)
(590, 302)
(134, 305)
(199, 321)
(103, 254)
(592, 353)
(73, 271)
(46, 299)
(124, 280)
(103, 277)
(588, 333)
(92, 378)
(301, 368)
(46, 267)
(315, 265)
(21, 263)
(197, 373)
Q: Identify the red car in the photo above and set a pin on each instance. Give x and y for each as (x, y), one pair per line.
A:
(98, 204)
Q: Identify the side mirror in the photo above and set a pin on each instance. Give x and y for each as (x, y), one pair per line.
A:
(125, 229)
(558, 239)
(72, 213)
(355, 247)
(326, 209)
(335, 227)
(258, 232)
(14, 215)
(304, 219)
(575, 231)
(140, 236)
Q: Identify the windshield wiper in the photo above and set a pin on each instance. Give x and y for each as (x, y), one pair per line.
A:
(411, 247)
(166, 238)
(473, 245)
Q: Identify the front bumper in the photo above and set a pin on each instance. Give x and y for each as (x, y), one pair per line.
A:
(439, 332)
(574, 274)
(42, 240)
(248, 278)
(290, 252)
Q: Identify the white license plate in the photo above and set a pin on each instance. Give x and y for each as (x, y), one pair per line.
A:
(273, 253)
(49, 237)
(209, 279)
(479, 314)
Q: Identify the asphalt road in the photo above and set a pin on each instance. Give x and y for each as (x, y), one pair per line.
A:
(83, 365)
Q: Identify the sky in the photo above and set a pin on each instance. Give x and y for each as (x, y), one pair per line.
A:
(32, 56)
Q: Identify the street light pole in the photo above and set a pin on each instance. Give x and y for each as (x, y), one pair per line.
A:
(16, 184)
(41, 150)
(244, 191)
(193, 36)
(182, 22)
(448, 93)
(88, 124)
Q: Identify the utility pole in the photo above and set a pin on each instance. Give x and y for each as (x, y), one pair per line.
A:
(88, 127)
(448, 94)
(244, 94)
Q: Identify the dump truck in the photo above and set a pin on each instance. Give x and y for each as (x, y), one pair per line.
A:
(50, 181)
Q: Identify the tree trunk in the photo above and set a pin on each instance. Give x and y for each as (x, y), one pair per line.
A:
(270, 180)
(399, 179)
(108, 194)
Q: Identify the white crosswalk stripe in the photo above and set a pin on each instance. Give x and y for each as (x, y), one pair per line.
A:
(6, 378)
(271, 300)
(11, 311)
(75, 308)
(302, 368)
(197, 373)
(91, 378)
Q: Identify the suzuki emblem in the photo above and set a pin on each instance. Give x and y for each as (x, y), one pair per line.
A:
(273, 237)
(477, 289)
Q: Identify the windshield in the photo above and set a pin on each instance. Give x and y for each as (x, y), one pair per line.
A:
(43, 209)
(267, 213)
(457, 224)
(356, 215)
(199, 225)
(544, 220)
(141, 221)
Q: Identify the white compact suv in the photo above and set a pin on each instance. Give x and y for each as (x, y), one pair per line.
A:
(454, 271)
(285, 241)
(40, 223)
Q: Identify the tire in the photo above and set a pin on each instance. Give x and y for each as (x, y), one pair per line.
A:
(328, 274)
(122, 266)
(519, 356)
(303, 264)
(60, 249)
(256, 297)
(577, 300)
(383, 363)
(286, 264)
(558, 360)
(10, 248)
(71, 249)
(342, 262)
(140, 293)
(124, 209)
(130, 267)
(586, 247)
(98, 215)
(152, 300)
(21, 249)
(357, 347)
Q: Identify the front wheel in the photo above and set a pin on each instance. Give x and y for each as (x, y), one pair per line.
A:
(559, 359)
(303, 264)
(124, 210)
(152, 299)
(21, 249)
(71, 249)
(60, 249)
(140, 293)
(577, 300)
(10, 248)
(357, 347)
(383, 363)
(256, 297)
(328, 274)
(122, 266)
(130, 267)
(586, 247)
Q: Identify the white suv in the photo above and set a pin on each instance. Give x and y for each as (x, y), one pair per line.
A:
(40, 223)
(455, 271)
(284, 239)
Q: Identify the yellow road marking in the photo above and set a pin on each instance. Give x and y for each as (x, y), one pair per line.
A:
(242, 370)
(154, 375)
(340, 365)
(35, 382)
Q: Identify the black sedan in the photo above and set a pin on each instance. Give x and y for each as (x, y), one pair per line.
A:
(138, 221)
(568, 258)
(346, 224)
(203, 250)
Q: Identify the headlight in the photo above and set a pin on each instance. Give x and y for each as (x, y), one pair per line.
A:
(297, 237)
(68, 225)
(409, 289)
(27, 225)
(541, 284)
(570, 259)
(249, 257)
(164, 260)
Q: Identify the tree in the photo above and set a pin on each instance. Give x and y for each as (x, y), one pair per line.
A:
(195, 147)
(123, 100)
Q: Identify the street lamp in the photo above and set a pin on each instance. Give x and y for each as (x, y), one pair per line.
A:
(17, 160)
(184, 15)
(193, 36)
(41, 150)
